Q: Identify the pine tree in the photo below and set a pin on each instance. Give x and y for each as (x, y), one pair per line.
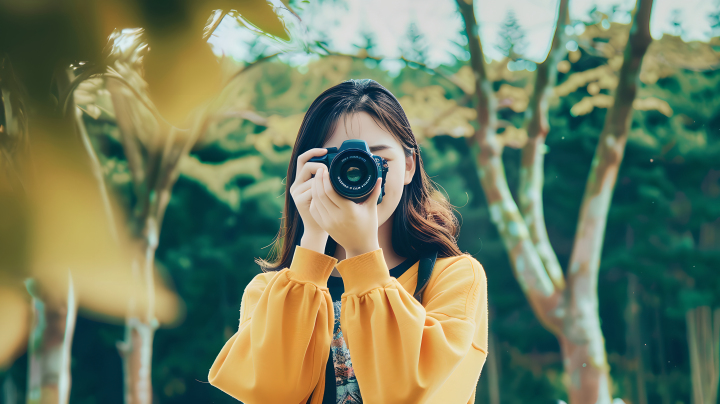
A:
(416, 48)
(367, 45)
(511, 42)
(714, 18)
(676, 22)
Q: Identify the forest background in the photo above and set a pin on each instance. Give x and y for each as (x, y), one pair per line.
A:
(204, 202)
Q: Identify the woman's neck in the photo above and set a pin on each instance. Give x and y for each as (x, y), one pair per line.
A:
(385, 241)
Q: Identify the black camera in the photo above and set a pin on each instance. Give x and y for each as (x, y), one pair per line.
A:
(354, 170)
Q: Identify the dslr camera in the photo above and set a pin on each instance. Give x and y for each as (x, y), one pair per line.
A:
(354, 170)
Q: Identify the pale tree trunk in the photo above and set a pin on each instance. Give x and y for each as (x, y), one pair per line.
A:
(154, 167)
(566, 307)
(136, 349)
(49, 347)
(590, 367)
(703, 334)
(9, 393)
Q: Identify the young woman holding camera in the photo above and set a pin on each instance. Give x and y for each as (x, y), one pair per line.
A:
(355, 308)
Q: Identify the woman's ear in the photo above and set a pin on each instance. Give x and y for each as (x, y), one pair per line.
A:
(410, 164)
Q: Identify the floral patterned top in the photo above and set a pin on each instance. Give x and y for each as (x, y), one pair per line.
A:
(346, 389)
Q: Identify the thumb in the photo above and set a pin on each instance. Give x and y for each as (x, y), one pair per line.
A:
(377, 190)
(374, 195)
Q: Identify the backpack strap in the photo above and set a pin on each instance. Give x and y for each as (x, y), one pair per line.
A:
(425, 268)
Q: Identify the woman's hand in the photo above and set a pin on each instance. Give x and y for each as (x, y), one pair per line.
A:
(353, 225)
(301, 192)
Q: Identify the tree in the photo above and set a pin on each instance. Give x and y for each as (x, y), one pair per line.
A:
(368, 43)
(511, 41)
(567, 306)
(714, 18)
(676, 22)
(416, 47)
(50, 187)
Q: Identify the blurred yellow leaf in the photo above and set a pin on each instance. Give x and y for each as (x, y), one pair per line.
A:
(218, 179)
(431, 114)
(70, 231)
(15, 320)
(574, 56)
(593, 88)
(604, 75)
(180, 77)
(652, 103)
(563, 66)
(261, 14)
(512, 97)
(587, 104)
(513, 137)
(465, 79)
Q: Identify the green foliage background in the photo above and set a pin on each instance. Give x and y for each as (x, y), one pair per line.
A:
(668, 192)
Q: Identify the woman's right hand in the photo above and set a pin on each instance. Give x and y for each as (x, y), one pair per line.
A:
(301, 190)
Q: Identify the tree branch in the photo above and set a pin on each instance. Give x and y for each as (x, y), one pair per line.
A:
(422, 66)
(210, 29)
(533, 153)
(67, 92)
(585, 258)
(526, 263)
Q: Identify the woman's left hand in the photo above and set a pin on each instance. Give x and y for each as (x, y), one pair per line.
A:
(352, 225)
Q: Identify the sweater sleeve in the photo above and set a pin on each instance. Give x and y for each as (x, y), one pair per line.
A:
(402, 351)
(283, 341)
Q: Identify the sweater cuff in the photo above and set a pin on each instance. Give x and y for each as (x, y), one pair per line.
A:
(364, 272)
(310, 266)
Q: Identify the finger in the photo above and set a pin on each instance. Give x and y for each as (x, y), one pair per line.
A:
(314, 212)
(315, 152)
(317, 201)
(375, 194)
(301, 188)
(329, 204)
(303, 197)
(331, 193)
(307, 171)
(302, 163)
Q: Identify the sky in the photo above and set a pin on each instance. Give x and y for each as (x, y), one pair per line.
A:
(344, 21)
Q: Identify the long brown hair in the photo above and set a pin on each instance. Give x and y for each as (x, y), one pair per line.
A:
(423, 219)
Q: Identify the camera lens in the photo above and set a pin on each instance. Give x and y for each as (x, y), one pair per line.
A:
(353, 173)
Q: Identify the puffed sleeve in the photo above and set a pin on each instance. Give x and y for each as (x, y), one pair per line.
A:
(402, 351)
(282, 344)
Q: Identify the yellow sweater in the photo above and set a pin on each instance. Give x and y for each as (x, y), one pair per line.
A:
(402, 351)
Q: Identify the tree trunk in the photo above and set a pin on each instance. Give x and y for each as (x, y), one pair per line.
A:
(566, 307)
(136, 349)
(49, 347)
(663, 384)
(703, 334)
(136, 353)
(633, 345)
(9, 393)
(586, 382)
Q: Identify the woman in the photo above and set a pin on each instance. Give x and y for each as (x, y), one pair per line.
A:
(328, 321)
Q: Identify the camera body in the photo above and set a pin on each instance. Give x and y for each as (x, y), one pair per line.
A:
(354, 170)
